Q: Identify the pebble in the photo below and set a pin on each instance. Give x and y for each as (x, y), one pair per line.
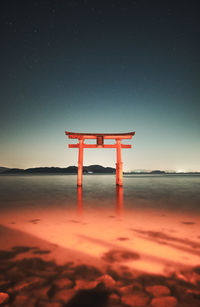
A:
(165, 301)
(130, 288)
(63, 283)
(189, 276)
(64, 295)
(114, 298)
(136, 300)
(126, 290)
(158, 290)
(195, 279)
(108, 281)
(3, 297)
(85, 285)
(181, 276)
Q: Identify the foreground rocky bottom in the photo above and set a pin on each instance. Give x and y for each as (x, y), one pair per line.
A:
(35, 282)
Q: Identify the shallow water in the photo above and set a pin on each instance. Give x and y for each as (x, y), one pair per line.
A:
(173, 192)
(151, 224)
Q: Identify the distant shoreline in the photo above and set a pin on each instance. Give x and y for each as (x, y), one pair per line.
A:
(87, 170)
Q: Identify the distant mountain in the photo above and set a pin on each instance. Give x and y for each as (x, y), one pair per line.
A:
(157, 172)
(58, 170)
(96, 169)
(3, 169)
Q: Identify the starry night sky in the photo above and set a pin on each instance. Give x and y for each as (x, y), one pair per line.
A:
(100, 66)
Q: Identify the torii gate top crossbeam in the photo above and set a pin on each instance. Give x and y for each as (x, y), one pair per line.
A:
(77, 135)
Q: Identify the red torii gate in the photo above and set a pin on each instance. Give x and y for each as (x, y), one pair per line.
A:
(100, 137)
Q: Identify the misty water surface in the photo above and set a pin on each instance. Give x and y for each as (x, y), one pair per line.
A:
(174, 192)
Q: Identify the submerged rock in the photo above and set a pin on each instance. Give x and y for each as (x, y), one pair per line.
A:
(62, 283)
(165, 301)
(3, 297)
(64, 295)
(136, 300)
(108, 281)
(113, 298)
(84, 284)
(158, 290)
(189, 276)
(136, 286)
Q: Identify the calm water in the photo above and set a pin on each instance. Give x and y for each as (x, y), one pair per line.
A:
(173, 192)
(156, 217)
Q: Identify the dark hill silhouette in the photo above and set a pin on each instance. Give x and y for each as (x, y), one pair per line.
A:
(96, 169)
(158, 172)
(59, 170)
(3, 169)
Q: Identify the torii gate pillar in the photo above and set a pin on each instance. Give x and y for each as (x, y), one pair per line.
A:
(119, 165)
(80, 164)
(100, 144)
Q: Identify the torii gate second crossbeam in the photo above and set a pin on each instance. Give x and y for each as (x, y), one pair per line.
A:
(100, 137)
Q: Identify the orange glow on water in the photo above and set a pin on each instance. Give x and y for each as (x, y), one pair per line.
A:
(80, 200)
(119, 200)
(149, 256)
(150, 240)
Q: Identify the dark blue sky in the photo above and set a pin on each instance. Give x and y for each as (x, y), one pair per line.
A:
(100, 66)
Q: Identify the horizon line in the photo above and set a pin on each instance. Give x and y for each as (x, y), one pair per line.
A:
(128, 171)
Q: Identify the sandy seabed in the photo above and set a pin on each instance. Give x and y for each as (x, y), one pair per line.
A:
(57, 257)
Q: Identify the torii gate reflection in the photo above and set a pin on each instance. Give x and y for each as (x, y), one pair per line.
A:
(100, 137)
(119, 201)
